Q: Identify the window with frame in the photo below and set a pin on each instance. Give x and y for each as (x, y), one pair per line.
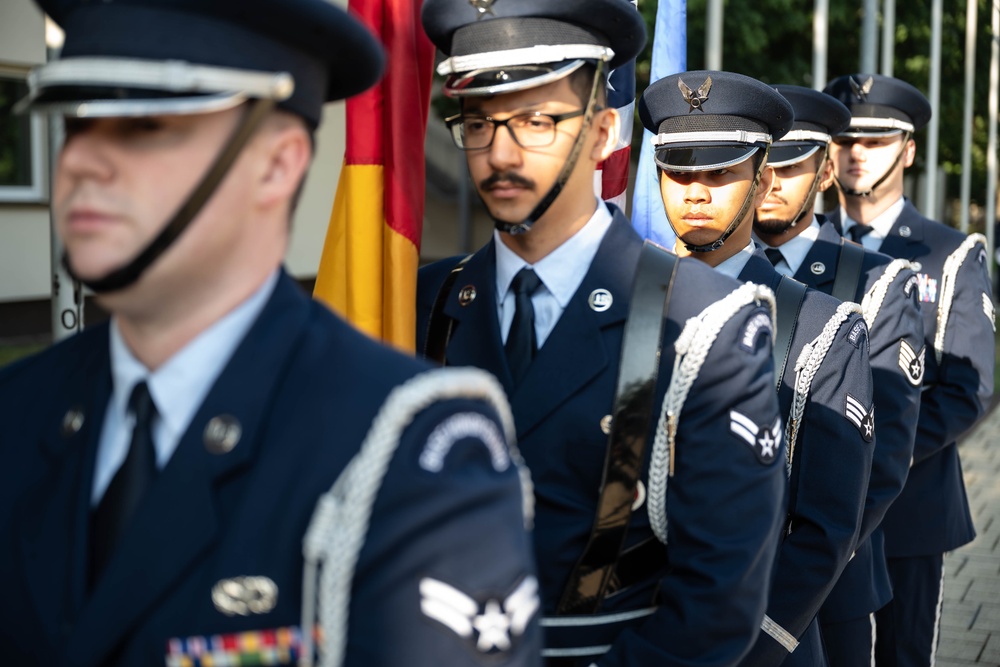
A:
(21, 149)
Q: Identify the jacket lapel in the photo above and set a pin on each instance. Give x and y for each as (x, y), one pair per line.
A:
(54, 514)
(759, 270)
(820, 264)
(178, 520)
(575, 352)
(907, 231)
(475, 339)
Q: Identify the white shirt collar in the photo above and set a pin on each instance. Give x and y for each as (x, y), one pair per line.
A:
(563, 269)
(732, 266)
(881, 225)
(178, 387)
(794, 250)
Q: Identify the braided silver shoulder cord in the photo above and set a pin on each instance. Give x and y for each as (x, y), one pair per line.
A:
(808, 363)
(340, 521)
(871, 304)
(949, 275)
(692, 346)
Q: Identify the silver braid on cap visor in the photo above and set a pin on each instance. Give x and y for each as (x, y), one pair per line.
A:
(542, 206)
(128, 274)
(869, 192)
(718, 243)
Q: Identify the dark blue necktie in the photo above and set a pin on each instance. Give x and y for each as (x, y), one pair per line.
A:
(858, 232)
(521, 343)
(127, 487)
(774, 255)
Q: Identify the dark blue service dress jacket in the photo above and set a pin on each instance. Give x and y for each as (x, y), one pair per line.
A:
(304, 386)
(831, 461)
(724, 502)
(931, 514)
(896, 343)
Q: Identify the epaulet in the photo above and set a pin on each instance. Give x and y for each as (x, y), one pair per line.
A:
(340, 521)
(949, 275)
(871, 304)
(808, 363)
(692, 347)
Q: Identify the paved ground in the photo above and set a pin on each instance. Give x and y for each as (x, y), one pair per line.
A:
(970, 619)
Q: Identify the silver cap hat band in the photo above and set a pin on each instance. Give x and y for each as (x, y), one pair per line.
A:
(532, 55)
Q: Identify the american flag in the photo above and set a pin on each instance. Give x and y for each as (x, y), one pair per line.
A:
(611, 178)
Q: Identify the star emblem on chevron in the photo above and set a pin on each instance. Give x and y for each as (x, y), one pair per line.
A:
(763, 440)
(863, 418)
(912, 362)
(492, 626)
(483, 7)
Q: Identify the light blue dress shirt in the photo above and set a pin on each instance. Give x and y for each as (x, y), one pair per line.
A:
(561, 272)
(794, 251)
(178, 387)
(881, 225)
(732, 266)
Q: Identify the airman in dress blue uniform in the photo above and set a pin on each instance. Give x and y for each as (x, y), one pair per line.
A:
(931, 514)
(712, 133)
(227, 473)
(654, 442)
(813, 252)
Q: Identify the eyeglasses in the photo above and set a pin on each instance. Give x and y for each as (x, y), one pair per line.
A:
(529, 130)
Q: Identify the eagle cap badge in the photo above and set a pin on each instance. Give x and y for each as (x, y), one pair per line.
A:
(861, 90)
(695, 98)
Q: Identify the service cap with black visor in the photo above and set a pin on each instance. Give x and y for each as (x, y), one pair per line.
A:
(880, 106)
(709, 120)
(137, 58)
(818, 117)
(497, 47)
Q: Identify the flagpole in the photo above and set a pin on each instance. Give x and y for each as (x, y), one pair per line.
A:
(713, 38)
(888, 37)
(869, 35)
(991, 144)
(930, 206)
(821, 32)
(971, 16)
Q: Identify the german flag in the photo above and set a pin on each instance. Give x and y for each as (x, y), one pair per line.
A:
(368, 269)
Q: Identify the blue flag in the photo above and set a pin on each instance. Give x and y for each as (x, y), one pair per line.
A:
(669, 57)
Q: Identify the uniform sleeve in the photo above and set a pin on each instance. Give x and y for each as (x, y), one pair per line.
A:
(962, 393)
(831, 464)
(724, 510)
(897, 339)
(446, 576)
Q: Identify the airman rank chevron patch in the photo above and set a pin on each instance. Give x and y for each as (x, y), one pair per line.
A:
(911, 362)
(277, 646)
(863, 418)
(765, 441)
(493, 625)
(990, 310)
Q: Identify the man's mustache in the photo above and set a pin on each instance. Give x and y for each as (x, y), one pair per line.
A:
(506, 177)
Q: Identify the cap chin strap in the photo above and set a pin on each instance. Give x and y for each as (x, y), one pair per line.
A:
(125, 276)
(808, 203)
(868, 193)
(715, 245)
(542, 206)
